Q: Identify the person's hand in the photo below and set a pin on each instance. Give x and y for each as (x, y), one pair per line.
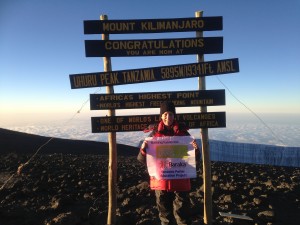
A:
(195, 145)
(144, 145)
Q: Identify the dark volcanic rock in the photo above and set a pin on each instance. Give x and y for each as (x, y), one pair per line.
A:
(71, 188)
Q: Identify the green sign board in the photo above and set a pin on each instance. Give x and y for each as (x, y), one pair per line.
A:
(141, 122)
(152, 25)
(153, 47)
(154, 99)
(100, 79)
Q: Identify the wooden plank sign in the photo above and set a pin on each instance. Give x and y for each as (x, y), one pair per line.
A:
(141, 122)
(154, 99)
(153, 25)
(153, 47)
(100, 79)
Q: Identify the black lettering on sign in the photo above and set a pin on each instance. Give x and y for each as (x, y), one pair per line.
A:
(141, 122)
(152, 74)
(153, 47)
(153, 25)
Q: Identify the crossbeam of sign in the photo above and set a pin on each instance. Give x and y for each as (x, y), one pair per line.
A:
(141, 122)
(153, 47)
(154, 99)
(152, 74)
(152, 25)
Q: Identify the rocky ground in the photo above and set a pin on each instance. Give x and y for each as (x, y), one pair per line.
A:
(66, 183)
(72, 189)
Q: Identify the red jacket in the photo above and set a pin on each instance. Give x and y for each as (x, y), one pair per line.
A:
(172, 184)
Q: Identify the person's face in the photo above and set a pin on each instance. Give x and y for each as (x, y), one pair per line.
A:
(167, 118)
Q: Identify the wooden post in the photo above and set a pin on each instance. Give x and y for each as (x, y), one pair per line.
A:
(205, 148)
(112, 164)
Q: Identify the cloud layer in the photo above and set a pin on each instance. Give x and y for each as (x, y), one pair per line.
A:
(238, 129)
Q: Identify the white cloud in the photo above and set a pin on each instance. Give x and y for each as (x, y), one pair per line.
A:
(238, 130)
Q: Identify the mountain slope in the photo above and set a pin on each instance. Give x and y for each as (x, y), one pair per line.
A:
(18, 142)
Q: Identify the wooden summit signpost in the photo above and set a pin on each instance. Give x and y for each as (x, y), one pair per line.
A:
(139, 123)
(153, 74)
(152, 25)
(153, 99)
(154, 47)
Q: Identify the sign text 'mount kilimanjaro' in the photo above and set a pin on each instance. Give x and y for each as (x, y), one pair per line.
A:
(154, 99)
(141, 122)
(153, 47)
(152, 74)
(152, 25)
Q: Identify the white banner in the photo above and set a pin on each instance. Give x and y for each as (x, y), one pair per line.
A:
(171, 157)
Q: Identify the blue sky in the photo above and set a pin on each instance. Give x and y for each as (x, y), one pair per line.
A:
(42, 42)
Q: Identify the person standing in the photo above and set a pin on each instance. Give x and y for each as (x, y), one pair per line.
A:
(172, 195)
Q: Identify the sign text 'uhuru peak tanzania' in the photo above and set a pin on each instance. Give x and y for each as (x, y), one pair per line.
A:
(152, 74)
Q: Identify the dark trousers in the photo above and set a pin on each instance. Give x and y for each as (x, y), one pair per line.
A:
(173, 207)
